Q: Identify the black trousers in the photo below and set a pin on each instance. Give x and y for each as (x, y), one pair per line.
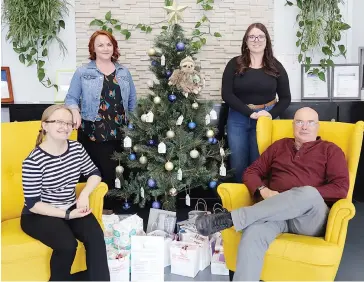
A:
(60, 235)
(101, 153)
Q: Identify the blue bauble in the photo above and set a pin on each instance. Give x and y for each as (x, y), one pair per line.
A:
(151, 142)
(168, 73)
(211, 140)
(172, 97)
(154, 63)
(151, 183)
(130, 126)
(214, 140)
(156, 205)
(180, 46)
(132, 157)
(213, 184)
(191, 125)
(126, 206)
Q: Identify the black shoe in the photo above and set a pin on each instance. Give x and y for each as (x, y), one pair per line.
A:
(210, 224)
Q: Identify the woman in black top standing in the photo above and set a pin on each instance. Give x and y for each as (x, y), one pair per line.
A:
(249, 86)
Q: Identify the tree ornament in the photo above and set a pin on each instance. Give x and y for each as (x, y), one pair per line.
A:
(194, 154)
(179, 120)
(163, 60)
(213, 184)
(174, 12)
(143, 117)
(191, 125)
(151, 183)
(126, 205)
(162, 149)
(172, 97)
(213, 114)
(172, 192)
(130, 126)
(150, 117)
(214, 141)
(156, 205)
(168, 73)
(222, 170)
(127, 142)
(210, 133)
(119, 170)
(180, 46)
(211, 140)
(170, 134)
(151, 142)
(132, 157)
(207, 119)
(195, 106)
(143, 160)
(222, 152)
(151, 52)
(136, 148)
(154, 63)
(169, 166)
(157, 100)
(179, 174)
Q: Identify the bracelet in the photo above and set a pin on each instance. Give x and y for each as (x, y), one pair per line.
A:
(67, 216)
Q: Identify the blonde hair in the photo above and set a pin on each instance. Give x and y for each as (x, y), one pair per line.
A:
(45, 116)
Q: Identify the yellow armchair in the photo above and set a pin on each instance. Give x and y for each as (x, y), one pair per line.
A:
(290, 256)
(22, 257)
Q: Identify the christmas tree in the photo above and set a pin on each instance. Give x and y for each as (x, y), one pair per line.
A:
(170, 143)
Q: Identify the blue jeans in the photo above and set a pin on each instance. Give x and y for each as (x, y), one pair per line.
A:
(242, 139)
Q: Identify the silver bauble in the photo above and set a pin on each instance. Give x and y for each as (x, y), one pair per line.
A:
(195, 106)
(169, 166)
(143, 160)
(143, 117)
(157, 100)
(119, 169)
(135, 148)
(151, 52)
(172, 192)
(170, 134)
(194, 154)
(209, 133)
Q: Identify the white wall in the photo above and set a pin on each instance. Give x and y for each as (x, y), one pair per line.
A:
(285, 28)
(26, 87)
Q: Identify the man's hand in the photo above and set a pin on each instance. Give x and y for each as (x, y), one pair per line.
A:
(263, 113)
(83, 202)
(267, 193)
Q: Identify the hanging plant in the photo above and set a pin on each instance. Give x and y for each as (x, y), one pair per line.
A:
(33, 26)
(320, 26)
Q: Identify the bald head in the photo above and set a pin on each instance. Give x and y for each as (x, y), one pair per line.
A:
(306, 113)
(305, 125)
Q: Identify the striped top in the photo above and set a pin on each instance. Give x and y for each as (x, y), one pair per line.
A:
(52, 179)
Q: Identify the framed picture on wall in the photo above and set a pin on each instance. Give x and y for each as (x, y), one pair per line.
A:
(6, 86)
(346, 79)
(312, 87)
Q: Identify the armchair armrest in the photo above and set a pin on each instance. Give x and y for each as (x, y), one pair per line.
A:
(234, 196)
(96, 199)
(337, 224)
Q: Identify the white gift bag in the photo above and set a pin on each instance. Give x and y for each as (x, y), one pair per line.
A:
(147, 258)
(185, 258)
(119, 268)
(204, 247)
(109, 220)
(123, 230)
(218, 265)
(161, 220)
(167, 244)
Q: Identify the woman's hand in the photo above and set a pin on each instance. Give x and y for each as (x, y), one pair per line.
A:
(78, 213)
(76, 118)
(254, 115)
(263, 113)
(83, 202)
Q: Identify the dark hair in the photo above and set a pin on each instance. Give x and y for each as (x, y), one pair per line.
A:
(269, 63)
(91, 45)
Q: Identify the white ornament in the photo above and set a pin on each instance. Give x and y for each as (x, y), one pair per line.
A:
(179, 174)
(162, 149)
(150, 83)
(173, 192)
(163, 60)
(207, 119)
(222, 152)
(151, 52)
(185, 94)
(170, 134)
(188, 200)
(119, 169)
(210, 133)
(136, 148)
(222, 170)
(174, 12)
(127, 142)
(142, 192)
(150, 117)
(179, 120)
(157, 100)
(213, 114)
(195, 106)
(117, 183)
(143, 160)
(194, 154)
(143, 117)
(169, 166)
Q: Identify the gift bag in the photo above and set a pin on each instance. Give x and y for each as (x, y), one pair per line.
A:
(147, 258)
(192, 215)
(167, 244)
(119, 267)
(108, 221)
(218, 265)
(123, 230)
(204, 248)
(185, 258)
(161, 220)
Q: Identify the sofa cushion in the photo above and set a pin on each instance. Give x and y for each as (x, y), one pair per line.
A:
(306, 249)
(16, 245)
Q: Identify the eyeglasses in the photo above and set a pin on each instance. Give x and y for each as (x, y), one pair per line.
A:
(61, 123)
(309, 123)
(252, 38)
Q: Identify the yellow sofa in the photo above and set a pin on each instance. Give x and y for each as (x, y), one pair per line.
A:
(22, 257)
(290, 256)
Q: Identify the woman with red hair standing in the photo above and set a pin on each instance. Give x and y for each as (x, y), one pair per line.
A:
(101, 96)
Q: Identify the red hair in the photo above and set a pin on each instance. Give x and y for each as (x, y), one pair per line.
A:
(91, 45)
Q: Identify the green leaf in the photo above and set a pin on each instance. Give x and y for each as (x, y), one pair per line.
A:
(298, 34)
(33, 52)
(207, 7)
(196, 32)
(96, 22)
(300, 58)
(303, 47)
(149, 29)
(62, 24)
(127, 36)
(321, 76)
(41, 74)
(210, 1)
(315, 71)
(45, 52)
(108, 16)
(344, 26)
(117, 27)
(204, 19)
(113, 21)
(289, 3)
(198, 24)
(139, 25)
(29, 57)
(48, 82)
(40, 64)
(217, 34)
(297, 43)
(22, 58)
(301, 23)
(341, 48)
(203, 41)
(308, 60)
(104, 27)
(326, 50)
(124, 32)
(55, 86)
(330, 62)
(109, 30)
(199, 1)
(299, 4)
(307, 68)
(164, 27)
(31, 62)
(143, 28)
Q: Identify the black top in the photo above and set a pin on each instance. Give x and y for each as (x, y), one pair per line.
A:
(255, 87)
(111, 113)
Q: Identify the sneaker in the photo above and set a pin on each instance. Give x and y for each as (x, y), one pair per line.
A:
(210, 224)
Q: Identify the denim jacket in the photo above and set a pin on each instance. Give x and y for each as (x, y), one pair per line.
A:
(86, 85)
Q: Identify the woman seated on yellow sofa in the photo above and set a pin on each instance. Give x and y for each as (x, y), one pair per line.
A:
(51, 213)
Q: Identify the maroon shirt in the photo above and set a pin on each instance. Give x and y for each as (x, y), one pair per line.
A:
(319, 163)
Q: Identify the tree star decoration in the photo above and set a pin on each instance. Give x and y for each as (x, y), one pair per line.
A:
(174, 13)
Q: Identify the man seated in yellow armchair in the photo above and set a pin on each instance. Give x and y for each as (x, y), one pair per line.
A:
(295, 180)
